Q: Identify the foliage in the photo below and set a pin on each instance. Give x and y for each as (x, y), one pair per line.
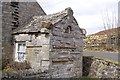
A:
(6, 59)
(8, 64)
(8, 69)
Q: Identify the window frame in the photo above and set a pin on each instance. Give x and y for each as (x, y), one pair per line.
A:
(22, 52)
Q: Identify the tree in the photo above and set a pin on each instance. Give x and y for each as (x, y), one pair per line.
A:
(110, 22)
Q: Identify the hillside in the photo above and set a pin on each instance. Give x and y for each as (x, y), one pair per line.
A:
(106, 40)
(109, 31)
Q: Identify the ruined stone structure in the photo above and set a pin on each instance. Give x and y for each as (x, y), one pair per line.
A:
(14, 15)
(53, 43)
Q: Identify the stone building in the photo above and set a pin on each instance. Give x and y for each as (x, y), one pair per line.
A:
(52, 43)
(14, 15)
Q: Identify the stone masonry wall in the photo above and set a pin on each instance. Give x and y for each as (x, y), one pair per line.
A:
(55, 49)
(92, 67)
(37, 49)
(6, 28)
(14, 16)
(66, 49)
(66, 65)
(98, 68)
(27, 10)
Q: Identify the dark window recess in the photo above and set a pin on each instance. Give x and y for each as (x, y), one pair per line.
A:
(14, 4)
(16, 9)
(15, 22)
(15, 26)
(15, 18)
(13, 14)
(68, 29)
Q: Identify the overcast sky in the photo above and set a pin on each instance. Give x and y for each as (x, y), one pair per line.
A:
(89, 13)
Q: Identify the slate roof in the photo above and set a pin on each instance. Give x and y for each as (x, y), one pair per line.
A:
(39, 22)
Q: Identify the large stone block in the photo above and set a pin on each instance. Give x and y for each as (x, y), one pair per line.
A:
(57, 33)
(45, 63)
(35, 65)
(32, 53)
(22, 37)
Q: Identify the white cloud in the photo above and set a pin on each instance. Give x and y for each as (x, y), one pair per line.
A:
(87, 12)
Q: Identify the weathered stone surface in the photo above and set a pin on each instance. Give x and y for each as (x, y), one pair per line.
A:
(66, 65)
(53, 44)
(98, 68)
(22, 37)
(12, 20)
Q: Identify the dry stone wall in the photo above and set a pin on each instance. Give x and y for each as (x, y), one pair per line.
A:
(98, 68)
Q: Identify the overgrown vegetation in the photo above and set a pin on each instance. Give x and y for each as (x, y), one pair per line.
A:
(7, 64)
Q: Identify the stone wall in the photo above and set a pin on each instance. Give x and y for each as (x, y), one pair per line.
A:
(54, 43)
(61, 68)
(99, 68)
(63, 65)
(27, 10)
(93, 68)
(59, 50)
(0, 30)
(66, 49)
(6, 28)
(13, 16)
(66, 65)
(37, 49)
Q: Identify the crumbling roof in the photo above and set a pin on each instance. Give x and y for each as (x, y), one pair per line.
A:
(46, 21)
